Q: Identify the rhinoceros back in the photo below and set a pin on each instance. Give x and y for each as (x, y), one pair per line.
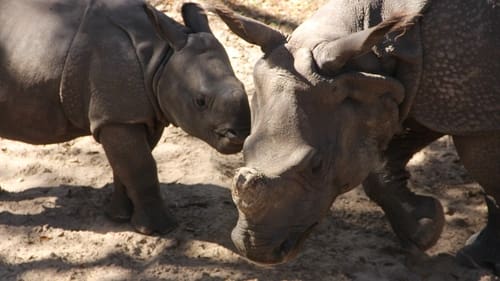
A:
(460, 86)
(34, 39)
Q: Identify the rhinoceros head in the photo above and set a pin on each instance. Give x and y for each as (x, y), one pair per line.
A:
(318, 129)
(197, 89)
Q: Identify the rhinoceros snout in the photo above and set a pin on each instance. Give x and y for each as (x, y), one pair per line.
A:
(272, 249)
(246, 180)
(245, 177)
(249, 191)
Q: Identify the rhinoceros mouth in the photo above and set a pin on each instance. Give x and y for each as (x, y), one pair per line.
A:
(286, 251)
(230, 140)
(289, 248)
(230, 134)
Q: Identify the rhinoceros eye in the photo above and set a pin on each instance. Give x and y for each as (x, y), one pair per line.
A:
(316, 164)
(201, 102)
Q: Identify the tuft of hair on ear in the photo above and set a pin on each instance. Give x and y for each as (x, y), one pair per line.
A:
(195, 17)
(400, 22)
(250, 30)
(166, 28)
(150, 12)
(228, 15)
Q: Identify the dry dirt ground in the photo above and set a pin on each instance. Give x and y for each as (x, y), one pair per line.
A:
(52, 225)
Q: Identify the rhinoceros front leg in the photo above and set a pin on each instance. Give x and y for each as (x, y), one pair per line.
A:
(120, 207)
(129, 154)
(417, 220)
(481, 157)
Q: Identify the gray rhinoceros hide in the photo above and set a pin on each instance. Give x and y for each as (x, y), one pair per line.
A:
(459, 92)
(453, 39)
(84, 51)
(121, 71)
(348, 98)
(118, 52)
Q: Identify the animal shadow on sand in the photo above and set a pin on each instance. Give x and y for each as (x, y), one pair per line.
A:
(351, 243)
(73, 207)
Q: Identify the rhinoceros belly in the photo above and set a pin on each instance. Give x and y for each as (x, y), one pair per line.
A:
(460, 87)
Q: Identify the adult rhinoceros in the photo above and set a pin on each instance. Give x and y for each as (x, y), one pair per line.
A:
(358, 83)
(121, 71)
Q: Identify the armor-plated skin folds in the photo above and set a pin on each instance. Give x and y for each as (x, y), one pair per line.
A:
(348, 98)
(121, 71)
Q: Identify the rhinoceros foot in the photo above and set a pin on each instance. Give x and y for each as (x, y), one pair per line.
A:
(417, 221)
(147, 217)
(482, 250)
(119, 210)
(155, 218)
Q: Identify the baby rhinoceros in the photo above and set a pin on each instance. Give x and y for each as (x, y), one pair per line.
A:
(121, 71)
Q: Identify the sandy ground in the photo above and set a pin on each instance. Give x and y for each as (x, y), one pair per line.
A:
(52, 225)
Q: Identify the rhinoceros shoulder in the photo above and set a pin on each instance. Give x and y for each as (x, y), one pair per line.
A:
(459, 91)
(110, 67)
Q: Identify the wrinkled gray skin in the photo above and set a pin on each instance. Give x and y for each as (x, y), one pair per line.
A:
(121, 71)
(348, 98)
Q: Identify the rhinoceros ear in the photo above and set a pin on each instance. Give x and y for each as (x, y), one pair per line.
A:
(330, 56)
(166, 28)
(195, 17)
(250, 30)
(367, 87)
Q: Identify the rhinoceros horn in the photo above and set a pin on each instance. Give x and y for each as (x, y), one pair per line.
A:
(330, 56)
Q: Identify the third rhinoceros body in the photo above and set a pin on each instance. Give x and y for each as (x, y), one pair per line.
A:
(121, 71)
(359, 82)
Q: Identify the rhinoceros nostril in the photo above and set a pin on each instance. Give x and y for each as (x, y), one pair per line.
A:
(246, 179)
(285, 247)
(240, 181)
(231, 134)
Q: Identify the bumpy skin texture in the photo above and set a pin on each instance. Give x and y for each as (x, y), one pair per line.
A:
(459, 95)
(121, 71)
(312, 138)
